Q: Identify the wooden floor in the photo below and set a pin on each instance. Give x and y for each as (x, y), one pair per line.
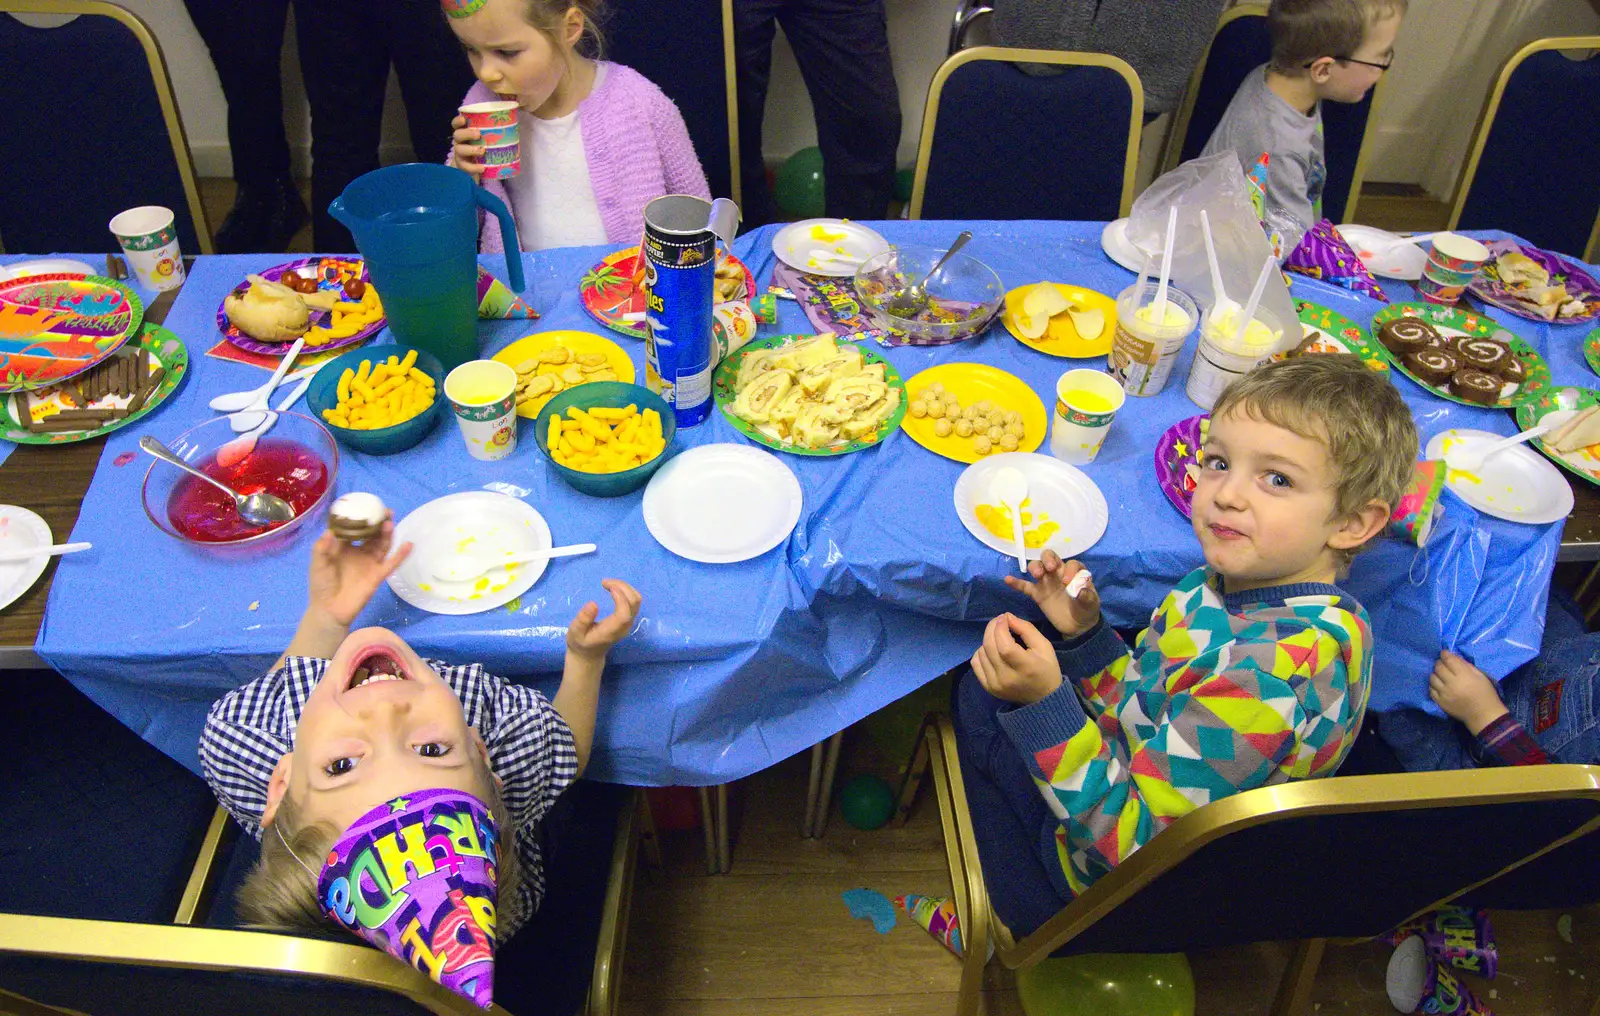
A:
(774, 938)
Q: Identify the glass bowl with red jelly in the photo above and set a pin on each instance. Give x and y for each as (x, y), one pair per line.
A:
(296, 459)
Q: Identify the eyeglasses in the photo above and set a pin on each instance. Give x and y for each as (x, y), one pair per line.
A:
(1350, 59)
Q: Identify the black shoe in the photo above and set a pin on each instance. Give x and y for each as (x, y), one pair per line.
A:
(263, 219)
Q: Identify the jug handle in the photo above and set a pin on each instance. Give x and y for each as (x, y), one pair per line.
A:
(508, 234)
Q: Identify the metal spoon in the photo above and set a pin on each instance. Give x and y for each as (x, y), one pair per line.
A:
(466, 566)
(259, 509)
(908, 303)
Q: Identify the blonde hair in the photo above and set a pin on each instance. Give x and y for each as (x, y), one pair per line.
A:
(1306, 30)
(1350, 409)
(548, 17)
(280, 893)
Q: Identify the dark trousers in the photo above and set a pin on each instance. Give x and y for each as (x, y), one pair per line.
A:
(345, 52)
(245, 38)
(842, 47)
(1014, 828)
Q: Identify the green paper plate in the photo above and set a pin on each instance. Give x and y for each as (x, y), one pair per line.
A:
(1580, 463)
(166, 350)
(1466, 322)
(728, 371)
(1343, 332)
(1591, 350)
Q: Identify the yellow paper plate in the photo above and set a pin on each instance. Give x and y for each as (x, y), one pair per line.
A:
(579, 342)
(1061, 338)
(975, 382)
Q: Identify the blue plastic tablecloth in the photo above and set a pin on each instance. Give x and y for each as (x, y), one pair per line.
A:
(735, 667)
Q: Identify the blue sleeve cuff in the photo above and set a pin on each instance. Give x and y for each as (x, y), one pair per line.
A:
(1088, 654)
(1049, 722)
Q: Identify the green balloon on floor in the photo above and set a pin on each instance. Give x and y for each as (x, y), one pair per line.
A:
(1108, 984)
(902, 184)
(867, 802)
(798, 189)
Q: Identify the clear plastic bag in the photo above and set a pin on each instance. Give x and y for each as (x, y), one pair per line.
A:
(1216, 184)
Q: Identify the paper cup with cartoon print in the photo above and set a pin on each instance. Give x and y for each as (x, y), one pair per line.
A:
(149, 238)
(1086, 402)
(484, 115)
(502, 161)
(483, 394)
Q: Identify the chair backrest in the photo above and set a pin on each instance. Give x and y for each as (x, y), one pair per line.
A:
(1533, 167)
(1347, 857)
(111, 138)
(1567, 877)
(686, 48)
(998, 143)
(1241, 44)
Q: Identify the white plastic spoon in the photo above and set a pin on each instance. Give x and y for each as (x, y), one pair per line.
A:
(8, 556)
(466, 566)
(253, 414)
(1158, 311)
(233, 402)
(1010, 488)
(1222, 304)
(235, 450)
(1471, 459)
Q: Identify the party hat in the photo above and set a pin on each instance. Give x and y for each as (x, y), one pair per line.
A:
(461, 8)
(937, 915)
(416, 878)
(496, 300)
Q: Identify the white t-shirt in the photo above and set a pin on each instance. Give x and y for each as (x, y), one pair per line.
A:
(552, 197)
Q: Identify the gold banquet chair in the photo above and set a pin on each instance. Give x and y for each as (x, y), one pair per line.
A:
(114, 967)
(1338, 858)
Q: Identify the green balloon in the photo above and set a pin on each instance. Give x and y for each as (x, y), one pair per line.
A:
(902, 184)
(867, 802)
(798, 188)
(1108, 984)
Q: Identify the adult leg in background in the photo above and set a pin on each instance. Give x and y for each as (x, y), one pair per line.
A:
(842, 47)
(245, 38)
(434, 75)
(344, 57)
(754, 26)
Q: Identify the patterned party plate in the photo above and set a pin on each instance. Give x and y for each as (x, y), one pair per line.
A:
(1557, 406)
(1061, 337)
(523, 356)
(1330, 332)
(330, 273)
(611, 291)
(972, 383)
(1591, 350)
(1579, 284)
(1178, 460)
(1452, 322)
(55, 326)
(724, 391)
(165, 362)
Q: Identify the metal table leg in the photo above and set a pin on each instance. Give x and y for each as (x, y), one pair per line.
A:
(829, 769)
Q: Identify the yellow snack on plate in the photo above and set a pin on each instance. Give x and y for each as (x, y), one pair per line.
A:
(606, 440)
(373, 397)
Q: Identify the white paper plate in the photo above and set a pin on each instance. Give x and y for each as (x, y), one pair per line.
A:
(1061, 491)
(1381, 251)
(1114, 241)
(722, 503)
(19, 530)
(1518, 484)
(46, 266)
(483, 521)
(799, 246)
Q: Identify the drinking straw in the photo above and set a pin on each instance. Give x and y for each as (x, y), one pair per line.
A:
(1250, 307)
(1158, 310)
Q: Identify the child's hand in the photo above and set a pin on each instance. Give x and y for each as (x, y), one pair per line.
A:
(344, 577)
(1022, 672)
(591, 639)
(466, 154)
(1051, 576)
(1464, 692)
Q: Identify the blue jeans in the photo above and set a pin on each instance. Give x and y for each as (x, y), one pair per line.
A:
(1014, 828)
(1554, 697)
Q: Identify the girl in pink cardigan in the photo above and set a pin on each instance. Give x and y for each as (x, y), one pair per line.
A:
(598, 139)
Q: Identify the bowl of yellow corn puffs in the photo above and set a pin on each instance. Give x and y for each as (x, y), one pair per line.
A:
(605, 438)
(378, 399)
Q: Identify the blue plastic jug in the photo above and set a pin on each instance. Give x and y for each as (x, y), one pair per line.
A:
(417, 227)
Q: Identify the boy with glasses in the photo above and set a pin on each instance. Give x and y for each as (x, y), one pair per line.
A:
(1334, 50)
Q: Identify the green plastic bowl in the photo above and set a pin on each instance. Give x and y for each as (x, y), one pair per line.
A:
(324, 394)
(606, 395)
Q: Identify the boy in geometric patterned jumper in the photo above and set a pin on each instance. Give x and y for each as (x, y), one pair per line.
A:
(1253, 671)
(348, 722)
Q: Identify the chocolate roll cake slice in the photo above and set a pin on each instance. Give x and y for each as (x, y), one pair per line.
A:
(1475, 386)
(1487, 355)
(1434, 366)
(1514, 370)
(1407, 335)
